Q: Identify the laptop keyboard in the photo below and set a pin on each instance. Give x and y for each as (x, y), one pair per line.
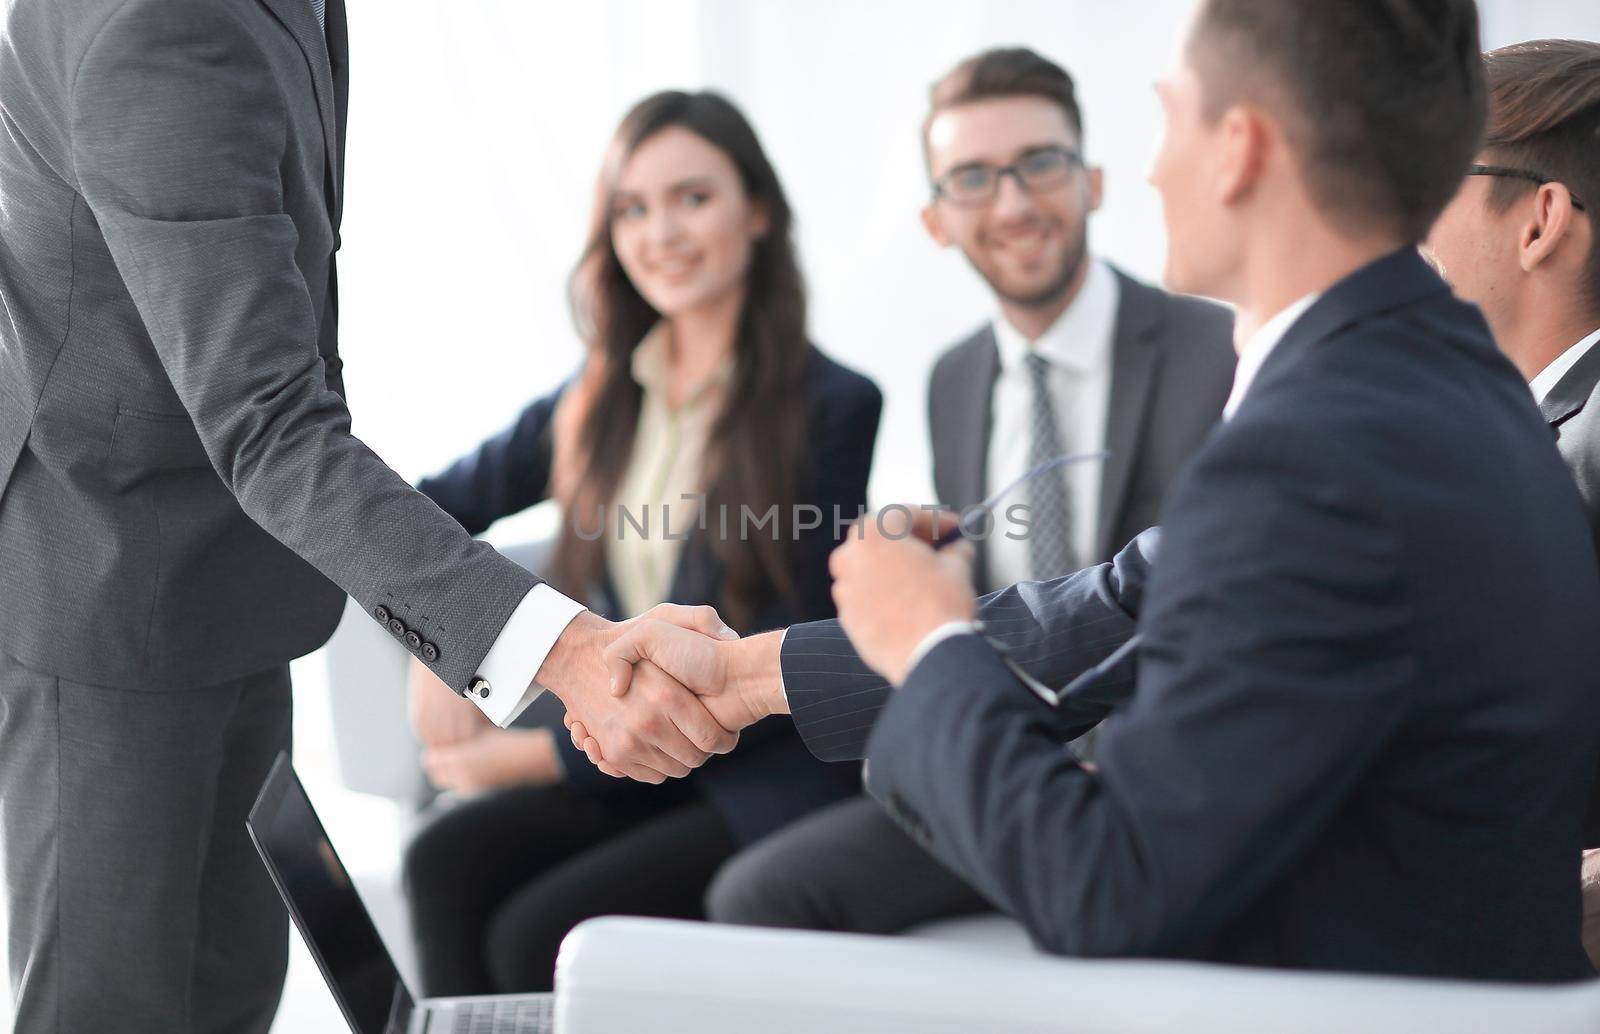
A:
(527, 1016)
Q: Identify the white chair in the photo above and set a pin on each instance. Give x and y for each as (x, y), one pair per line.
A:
(377, 751)
(665, 976)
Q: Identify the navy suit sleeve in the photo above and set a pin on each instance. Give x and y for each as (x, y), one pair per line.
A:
(844, 422)
(1273, 667)
(505, 475)
(1053, 630)
(846, 432)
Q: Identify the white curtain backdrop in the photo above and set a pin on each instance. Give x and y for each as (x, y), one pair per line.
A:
(477, 128)
(476, 131)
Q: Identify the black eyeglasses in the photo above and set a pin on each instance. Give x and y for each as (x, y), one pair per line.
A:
(1522, 174)
(972, 519)
(977, 184)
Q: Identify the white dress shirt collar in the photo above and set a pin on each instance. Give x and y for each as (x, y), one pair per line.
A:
(1261, 344)
(1551, 375)
(1079, 347)
(1078, 338)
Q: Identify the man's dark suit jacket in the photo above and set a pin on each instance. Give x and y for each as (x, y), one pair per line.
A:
(1171, 369)
(1363, 721)
(771, 779)
(1573, 408)
(180, 491)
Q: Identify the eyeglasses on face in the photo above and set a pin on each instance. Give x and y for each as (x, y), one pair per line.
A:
(1041, 168)
(1522, 174)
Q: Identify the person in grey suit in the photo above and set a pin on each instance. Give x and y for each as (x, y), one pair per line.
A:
(182, 500)
(1079, 357)
(1520, 240)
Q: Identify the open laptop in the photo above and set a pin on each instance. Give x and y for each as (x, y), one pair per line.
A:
(339, 931)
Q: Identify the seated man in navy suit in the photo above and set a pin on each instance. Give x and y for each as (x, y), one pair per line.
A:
(1520, 240)
(1361, 688)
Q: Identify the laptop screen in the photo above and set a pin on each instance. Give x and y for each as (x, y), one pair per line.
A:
(325, 905)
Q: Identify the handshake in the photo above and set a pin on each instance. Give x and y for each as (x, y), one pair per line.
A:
(653, 698)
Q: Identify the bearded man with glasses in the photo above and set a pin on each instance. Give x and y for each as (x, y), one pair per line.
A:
(1076, 357)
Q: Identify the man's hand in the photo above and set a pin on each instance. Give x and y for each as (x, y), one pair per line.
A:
(495, 758)
(438, 716)
(892, 588)
(739, 681)
(718, 671)
(661, 732)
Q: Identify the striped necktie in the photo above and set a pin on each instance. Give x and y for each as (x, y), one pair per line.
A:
(321, 7)
(1050, 551)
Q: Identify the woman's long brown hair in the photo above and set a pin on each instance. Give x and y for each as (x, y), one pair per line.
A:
(757, 446)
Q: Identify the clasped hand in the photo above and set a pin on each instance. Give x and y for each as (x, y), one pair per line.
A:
(661, 730)
(667, 648)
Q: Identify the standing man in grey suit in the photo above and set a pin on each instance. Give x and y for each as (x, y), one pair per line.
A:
(1079, 357)
(1520, 240)
(182, 500)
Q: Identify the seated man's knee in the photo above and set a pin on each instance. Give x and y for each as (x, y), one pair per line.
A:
(756, 888)
(521, 946)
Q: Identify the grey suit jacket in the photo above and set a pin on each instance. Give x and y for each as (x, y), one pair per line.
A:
(1172, 369)
(180, 491)
(1573, 410)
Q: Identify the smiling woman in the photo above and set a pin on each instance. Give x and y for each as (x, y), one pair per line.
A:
(682, 224)
(701, 401)
(691, 231)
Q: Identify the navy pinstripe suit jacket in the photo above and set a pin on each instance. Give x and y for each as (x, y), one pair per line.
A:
(1363, 722)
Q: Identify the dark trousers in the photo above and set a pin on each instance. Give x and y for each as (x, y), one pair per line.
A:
(137, 903)
(496, 882)
(847, 868)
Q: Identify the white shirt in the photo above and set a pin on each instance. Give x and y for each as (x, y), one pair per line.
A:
(519, 653)
(665, 464)
(1078, 346)
(1254, 352)
(1551, 375)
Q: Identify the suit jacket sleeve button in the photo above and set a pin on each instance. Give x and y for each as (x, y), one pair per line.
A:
(382, 614)
(413, 642)
(397, 628)
(430, 653)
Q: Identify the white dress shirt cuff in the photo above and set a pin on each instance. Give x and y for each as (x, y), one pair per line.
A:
(519, 653)
(783, 687)
(948, 630)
